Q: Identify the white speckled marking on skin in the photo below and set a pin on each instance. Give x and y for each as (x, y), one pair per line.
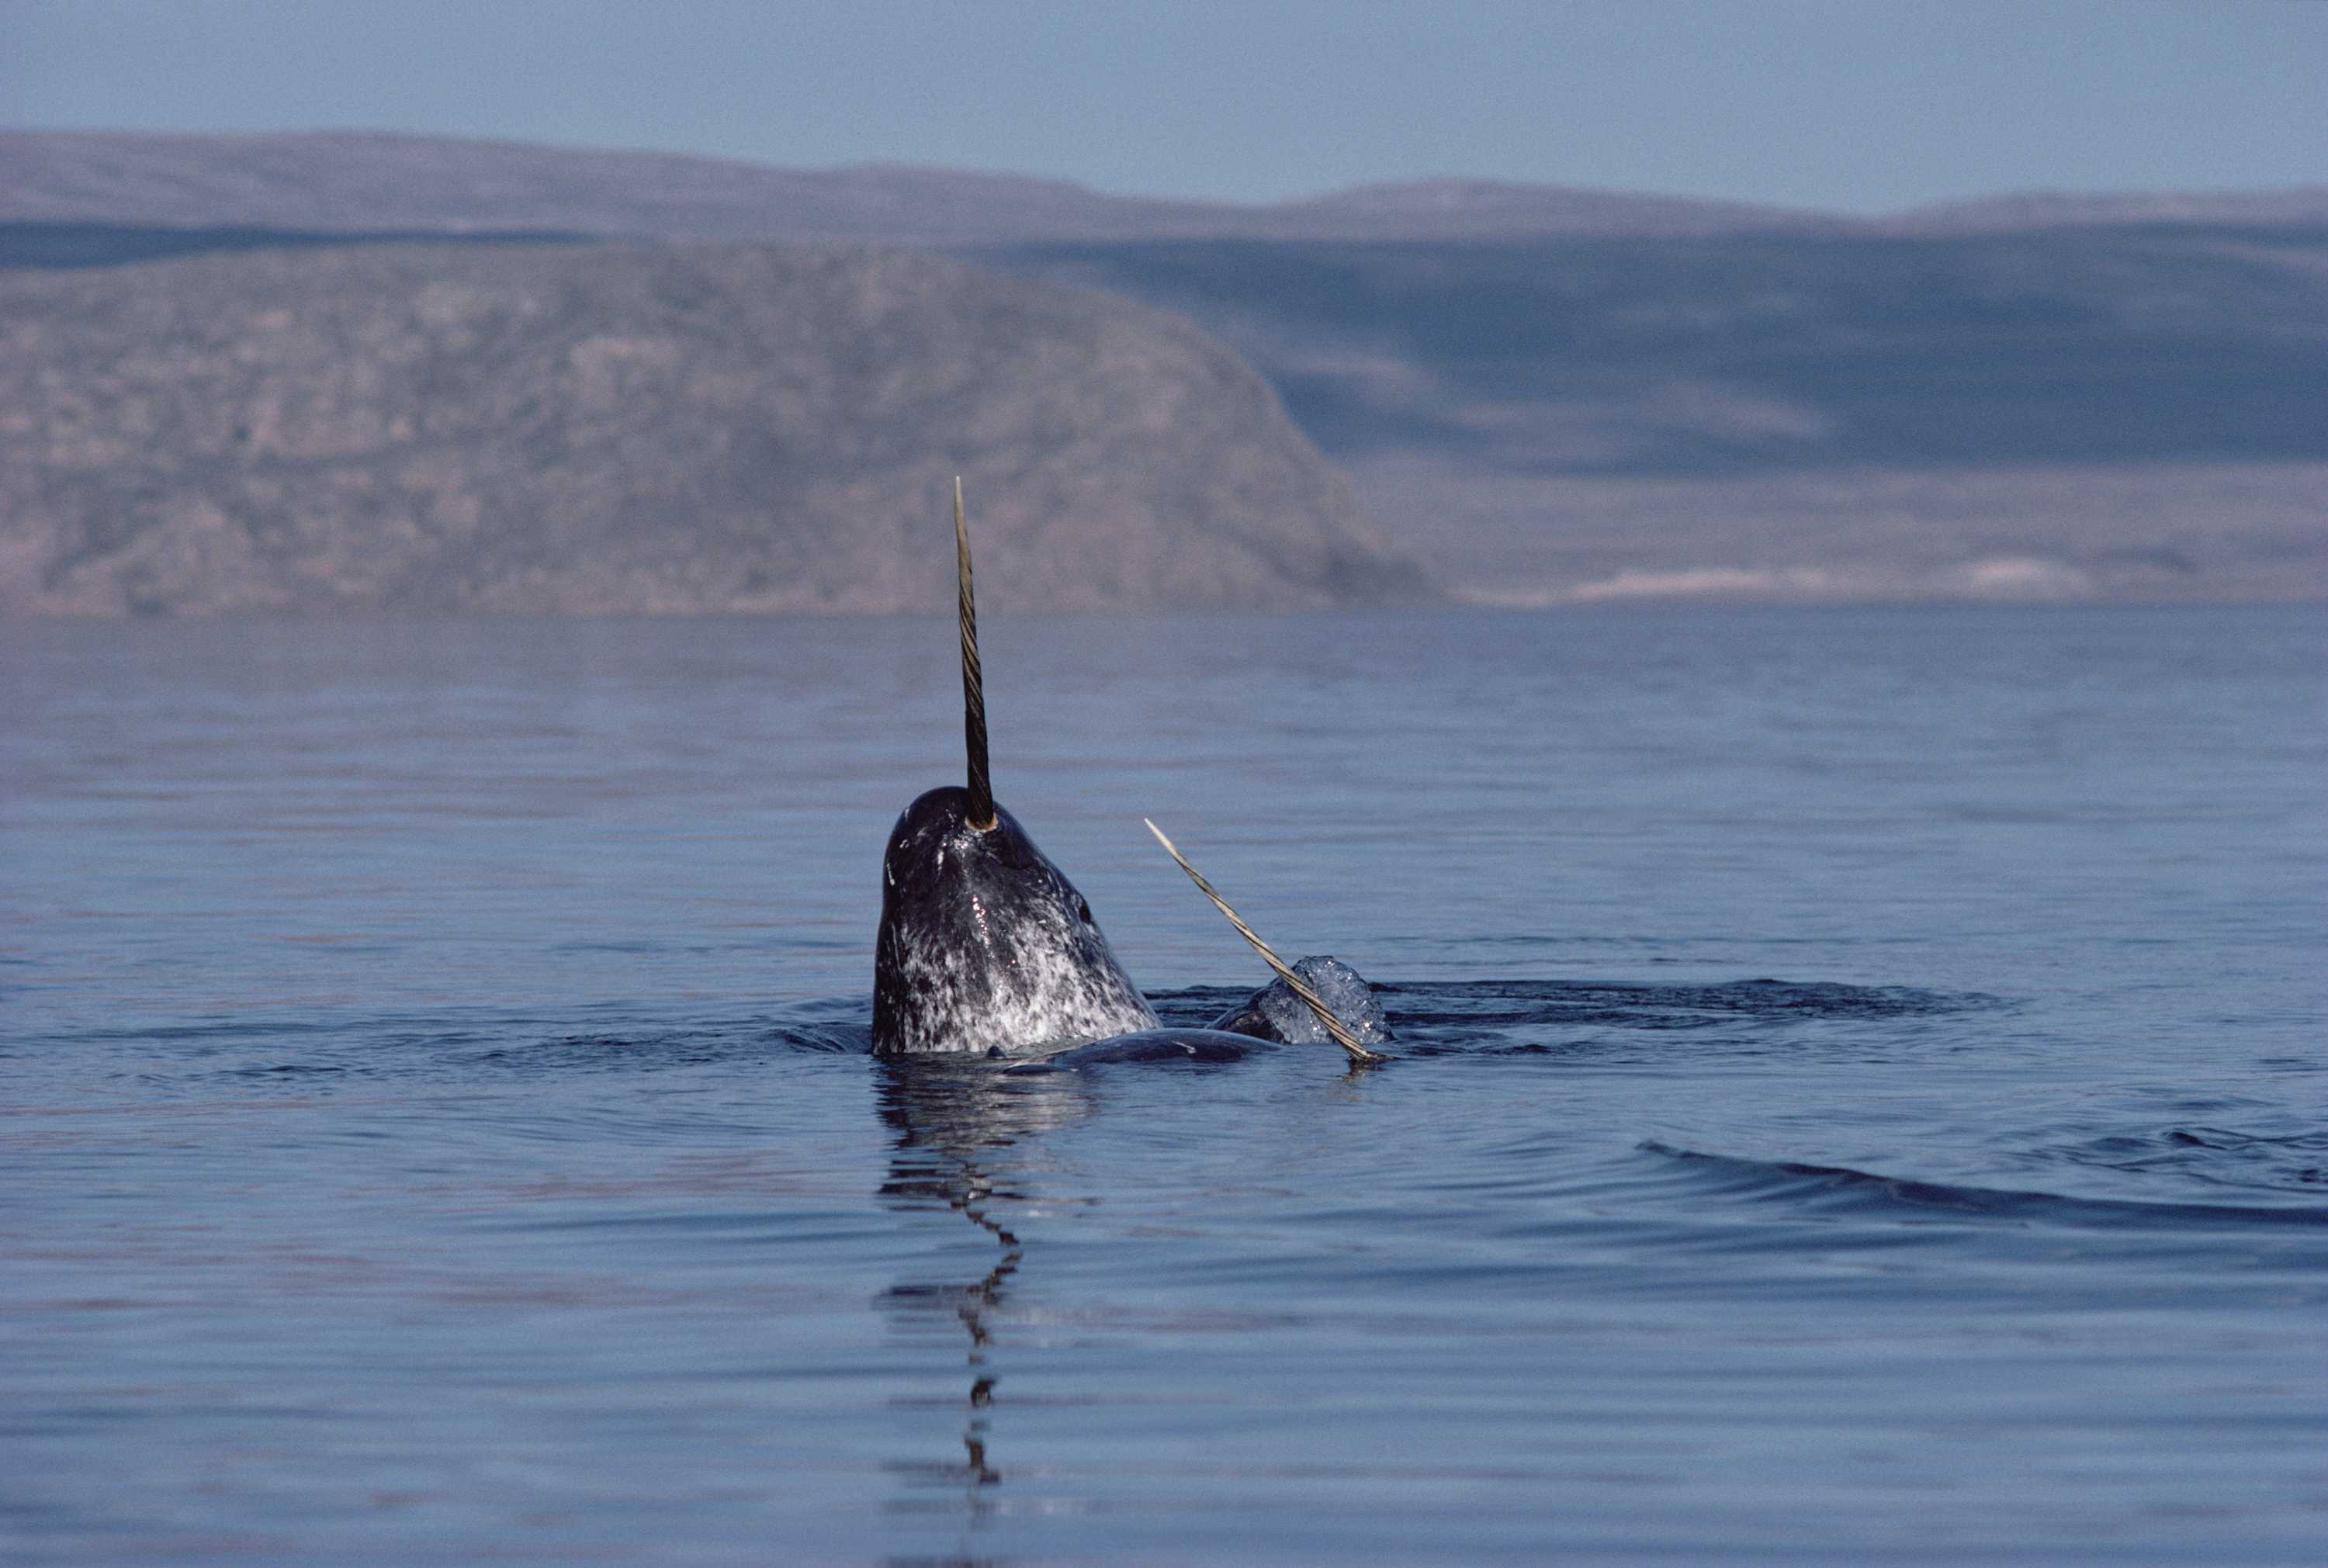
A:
(1037, 981)
(985, 946)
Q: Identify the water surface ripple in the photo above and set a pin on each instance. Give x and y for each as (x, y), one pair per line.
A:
(1857, 1096)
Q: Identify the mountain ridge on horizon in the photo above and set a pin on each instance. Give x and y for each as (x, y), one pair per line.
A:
(359, 181)
(2024, 397)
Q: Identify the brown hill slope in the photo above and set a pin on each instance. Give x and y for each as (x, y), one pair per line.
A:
(640, 428)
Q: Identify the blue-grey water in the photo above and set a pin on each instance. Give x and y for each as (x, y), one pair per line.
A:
(1858, 1097)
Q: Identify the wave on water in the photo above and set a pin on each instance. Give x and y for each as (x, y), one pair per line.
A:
(1431, 1019)
(1837, 1192)
(2264, 1172)
(834, 1026)
(1511, 1015)
(2296, 1163)
(466, 1044)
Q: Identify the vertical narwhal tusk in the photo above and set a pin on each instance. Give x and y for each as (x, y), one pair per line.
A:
(974, 679)
(1359, 1055)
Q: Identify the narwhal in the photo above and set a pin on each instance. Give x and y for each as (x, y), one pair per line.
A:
(986, 947)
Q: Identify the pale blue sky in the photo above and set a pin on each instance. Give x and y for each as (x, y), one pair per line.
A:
(1865, 106)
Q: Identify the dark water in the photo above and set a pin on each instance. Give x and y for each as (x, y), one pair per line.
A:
(1858, 1098)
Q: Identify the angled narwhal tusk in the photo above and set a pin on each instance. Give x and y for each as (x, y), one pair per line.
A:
(1334, 1026)
(974, 679)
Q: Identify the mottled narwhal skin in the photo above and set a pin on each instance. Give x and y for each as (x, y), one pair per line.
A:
(987, 949)
(985, 946)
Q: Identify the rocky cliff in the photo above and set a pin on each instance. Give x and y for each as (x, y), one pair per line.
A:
(435, 429)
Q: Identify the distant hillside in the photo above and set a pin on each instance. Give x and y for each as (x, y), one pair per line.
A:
(117, 244)
(1549, 395)
(2133, 411)
(352, 182)
(628, 428)
(2298, 206)
(1738, 352)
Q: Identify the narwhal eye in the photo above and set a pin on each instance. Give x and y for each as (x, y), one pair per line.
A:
(1083, 910)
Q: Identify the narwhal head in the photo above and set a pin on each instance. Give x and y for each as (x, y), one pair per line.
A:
(984, 945)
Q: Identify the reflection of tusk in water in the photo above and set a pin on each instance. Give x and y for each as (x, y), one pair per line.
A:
(976, 1302)
(1359, 1055)
(954, 1125)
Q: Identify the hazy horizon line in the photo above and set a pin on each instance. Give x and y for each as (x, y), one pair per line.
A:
(1389, 183)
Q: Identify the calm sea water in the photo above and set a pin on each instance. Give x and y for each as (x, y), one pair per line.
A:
(1859, 1095)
